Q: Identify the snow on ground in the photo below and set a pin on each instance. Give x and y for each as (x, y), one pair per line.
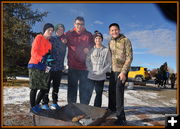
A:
(22, 78)
(18, 95)
(142, 107)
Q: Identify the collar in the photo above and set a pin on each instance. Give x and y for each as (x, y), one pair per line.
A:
(100, 47)
(119, 37)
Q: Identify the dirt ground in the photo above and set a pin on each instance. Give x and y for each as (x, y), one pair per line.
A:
(14, 116)
(146, 111)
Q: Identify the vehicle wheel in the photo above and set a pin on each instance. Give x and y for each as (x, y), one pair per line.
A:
(138, 79)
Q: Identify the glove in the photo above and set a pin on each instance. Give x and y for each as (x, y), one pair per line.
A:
(47, 59)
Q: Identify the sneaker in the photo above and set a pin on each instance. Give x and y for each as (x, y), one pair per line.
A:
(36, 109)
(45, 107)
(55, 106)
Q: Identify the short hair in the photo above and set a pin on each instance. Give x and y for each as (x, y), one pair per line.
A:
(79, 18)
(114, 24)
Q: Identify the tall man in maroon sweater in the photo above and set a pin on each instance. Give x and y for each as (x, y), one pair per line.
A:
(79, 42)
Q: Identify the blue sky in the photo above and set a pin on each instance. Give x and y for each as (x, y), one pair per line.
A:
(153, 37)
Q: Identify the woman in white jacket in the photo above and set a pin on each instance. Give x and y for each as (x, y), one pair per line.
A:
(98, 63)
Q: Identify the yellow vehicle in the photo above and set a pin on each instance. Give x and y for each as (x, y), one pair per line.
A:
(139, 74)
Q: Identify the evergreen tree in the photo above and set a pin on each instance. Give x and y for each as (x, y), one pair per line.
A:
(18, 19)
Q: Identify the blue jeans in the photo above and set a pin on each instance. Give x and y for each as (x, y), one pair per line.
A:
(78, 78)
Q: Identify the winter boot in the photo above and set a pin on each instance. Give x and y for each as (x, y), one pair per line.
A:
(121, 121)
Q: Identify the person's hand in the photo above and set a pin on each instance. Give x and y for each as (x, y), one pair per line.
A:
(122, 77)
(64, 40)
(86, 50)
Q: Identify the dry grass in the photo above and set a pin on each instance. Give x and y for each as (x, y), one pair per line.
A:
(16, 83)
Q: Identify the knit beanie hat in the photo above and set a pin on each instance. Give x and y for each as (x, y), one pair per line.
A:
(59, 25)
(97, 33)
(46, 26)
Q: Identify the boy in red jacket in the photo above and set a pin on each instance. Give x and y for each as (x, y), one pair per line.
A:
(37, 67)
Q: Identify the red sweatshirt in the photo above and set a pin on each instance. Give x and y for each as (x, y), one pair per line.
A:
(40, 47)
(76, 45)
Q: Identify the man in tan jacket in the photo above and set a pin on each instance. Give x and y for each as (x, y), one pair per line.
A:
(121, 50)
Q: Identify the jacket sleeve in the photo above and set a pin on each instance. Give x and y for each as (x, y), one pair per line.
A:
(36, 46)
(128, 55)
(107, 65)
(88, 61)
(67, 37)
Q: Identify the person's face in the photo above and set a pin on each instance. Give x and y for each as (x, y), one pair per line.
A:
(98, 40)
(114, 31)
(60, 31)
(48, 32)
(79, 25)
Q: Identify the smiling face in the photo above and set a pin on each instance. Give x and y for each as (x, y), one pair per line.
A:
(79, 25)
(98, 40)
(60, 31)
(114, 31)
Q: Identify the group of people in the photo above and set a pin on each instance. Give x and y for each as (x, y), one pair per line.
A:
(88, 62)
(163, 76)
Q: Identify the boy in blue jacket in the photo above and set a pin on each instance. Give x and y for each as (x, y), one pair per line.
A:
(58, 53)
